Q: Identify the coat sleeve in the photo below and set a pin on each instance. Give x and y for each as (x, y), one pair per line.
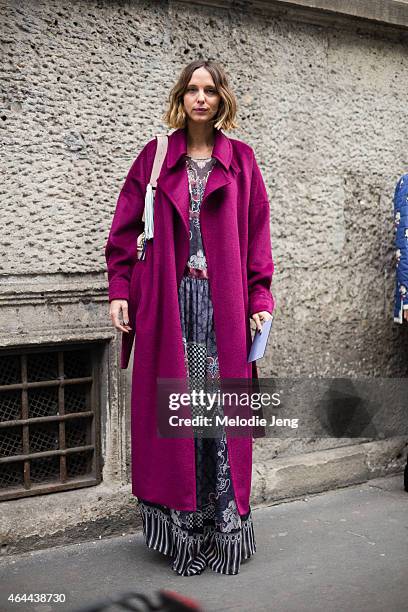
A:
(127, 224)
(401, 240)
(260, 265)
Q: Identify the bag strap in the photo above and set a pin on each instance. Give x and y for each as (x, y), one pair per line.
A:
(148, 212)
(161, 150)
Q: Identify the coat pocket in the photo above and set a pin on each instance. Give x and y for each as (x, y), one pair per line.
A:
(135, 290)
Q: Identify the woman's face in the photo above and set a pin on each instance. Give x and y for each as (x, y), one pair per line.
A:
(201, 93)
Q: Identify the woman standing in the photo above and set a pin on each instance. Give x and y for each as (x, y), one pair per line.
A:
(188, 303)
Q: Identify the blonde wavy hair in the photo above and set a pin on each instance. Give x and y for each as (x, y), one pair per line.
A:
(175, 116)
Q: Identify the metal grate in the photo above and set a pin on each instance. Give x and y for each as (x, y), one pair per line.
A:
(49, 420)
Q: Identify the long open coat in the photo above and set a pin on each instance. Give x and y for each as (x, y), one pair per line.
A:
(236, 238)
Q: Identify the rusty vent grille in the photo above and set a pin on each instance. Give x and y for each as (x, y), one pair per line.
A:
(49, 420)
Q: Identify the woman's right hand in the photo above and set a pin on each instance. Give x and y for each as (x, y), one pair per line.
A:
(116, 309)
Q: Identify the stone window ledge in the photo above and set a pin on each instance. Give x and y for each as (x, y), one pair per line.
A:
(379, 12)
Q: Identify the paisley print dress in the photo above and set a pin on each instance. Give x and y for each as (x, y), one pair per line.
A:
(215, 535)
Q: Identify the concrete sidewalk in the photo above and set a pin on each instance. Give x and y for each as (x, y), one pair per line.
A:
(344, 550)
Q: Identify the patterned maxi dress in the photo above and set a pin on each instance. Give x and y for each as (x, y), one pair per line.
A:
(214, 535)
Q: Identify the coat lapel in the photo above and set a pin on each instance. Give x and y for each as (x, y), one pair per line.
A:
(173, 180)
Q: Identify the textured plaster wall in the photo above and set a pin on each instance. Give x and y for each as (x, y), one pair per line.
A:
(84, 85)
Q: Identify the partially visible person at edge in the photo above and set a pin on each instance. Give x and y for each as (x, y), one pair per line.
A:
(401, 253)
(209, 266)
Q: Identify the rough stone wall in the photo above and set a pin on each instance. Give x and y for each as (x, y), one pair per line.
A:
(84, 87)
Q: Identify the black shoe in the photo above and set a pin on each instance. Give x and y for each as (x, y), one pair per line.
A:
(406, 477)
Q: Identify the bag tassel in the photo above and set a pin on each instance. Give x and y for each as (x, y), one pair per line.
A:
(148, 212)
(147, 218)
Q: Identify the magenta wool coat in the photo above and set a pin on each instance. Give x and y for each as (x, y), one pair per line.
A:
(235, 229)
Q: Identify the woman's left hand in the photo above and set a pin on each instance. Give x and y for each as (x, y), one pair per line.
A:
(261, 317)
